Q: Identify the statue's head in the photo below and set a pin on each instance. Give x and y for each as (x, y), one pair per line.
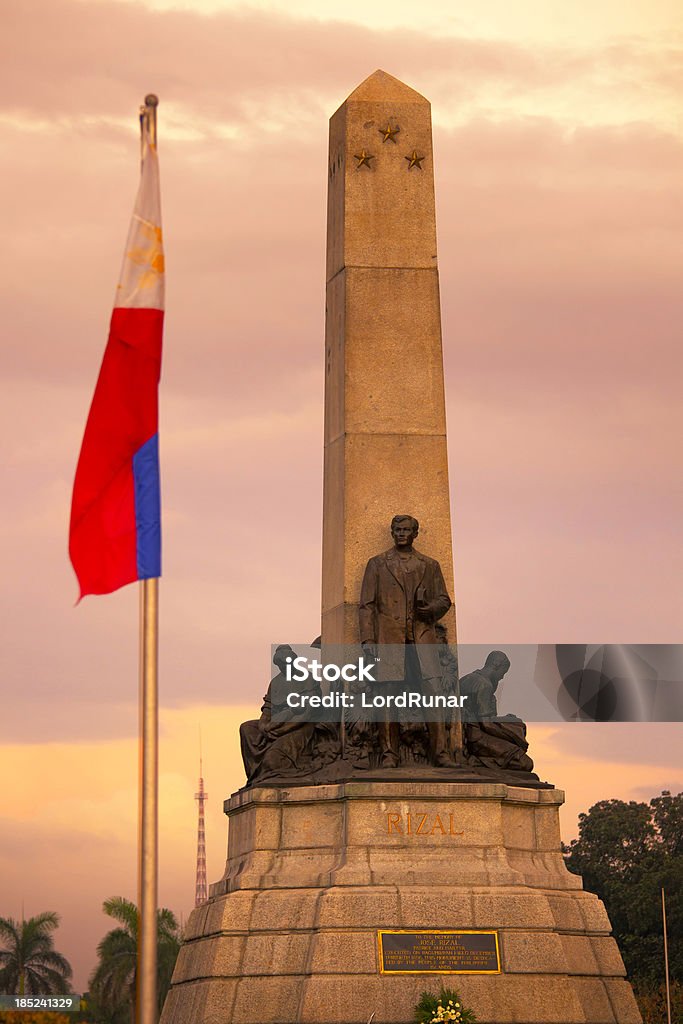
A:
(499, 663)
(282, 652)
(404, 530)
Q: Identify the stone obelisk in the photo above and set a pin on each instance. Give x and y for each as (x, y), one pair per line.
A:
(385, 419)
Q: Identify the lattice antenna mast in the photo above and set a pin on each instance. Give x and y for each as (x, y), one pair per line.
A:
(201, 893)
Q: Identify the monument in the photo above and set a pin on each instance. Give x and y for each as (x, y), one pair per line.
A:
(369, 861)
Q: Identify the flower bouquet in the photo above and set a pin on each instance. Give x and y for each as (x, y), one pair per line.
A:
(447, 1006)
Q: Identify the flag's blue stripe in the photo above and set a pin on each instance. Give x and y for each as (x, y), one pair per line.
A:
(148, 509)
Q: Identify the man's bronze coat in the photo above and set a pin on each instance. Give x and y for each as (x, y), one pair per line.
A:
(388, 616)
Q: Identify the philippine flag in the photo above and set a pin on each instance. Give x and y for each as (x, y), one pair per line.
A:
(115, 533)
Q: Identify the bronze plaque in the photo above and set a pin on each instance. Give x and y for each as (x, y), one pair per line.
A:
(438, 952)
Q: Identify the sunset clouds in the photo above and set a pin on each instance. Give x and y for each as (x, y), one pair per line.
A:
(558, 155)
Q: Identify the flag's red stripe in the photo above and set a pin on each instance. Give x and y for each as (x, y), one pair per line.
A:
(123, 416)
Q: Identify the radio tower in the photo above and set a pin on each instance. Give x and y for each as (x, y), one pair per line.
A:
(201, 894)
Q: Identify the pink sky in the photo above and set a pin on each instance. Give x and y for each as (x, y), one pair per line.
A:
(558, 159)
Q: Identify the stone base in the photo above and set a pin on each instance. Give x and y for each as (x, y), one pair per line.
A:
(289, 933)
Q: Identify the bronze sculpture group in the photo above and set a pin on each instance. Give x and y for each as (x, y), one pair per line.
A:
(403, 597)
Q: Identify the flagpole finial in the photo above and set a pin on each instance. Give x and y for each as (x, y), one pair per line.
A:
(148, 115)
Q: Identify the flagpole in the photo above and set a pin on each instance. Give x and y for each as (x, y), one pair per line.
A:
(666, 960)
(148, 815)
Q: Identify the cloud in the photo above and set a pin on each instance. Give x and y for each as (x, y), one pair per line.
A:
(297, 71)
(258, 71)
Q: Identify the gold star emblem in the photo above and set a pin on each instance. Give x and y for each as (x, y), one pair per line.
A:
(363, 159)
(414, 160)
(389, 132)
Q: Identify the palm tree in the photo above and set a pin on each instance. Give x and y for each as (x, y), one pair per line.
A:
(29, 964)
(113, 980)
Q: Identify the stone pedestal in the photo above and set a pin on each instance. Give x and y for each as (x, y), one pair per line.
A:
(289, 933)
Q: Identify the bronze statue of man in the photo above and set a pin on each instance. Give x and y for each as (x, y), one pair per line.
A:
(492, 740)
(403, 596)
(281, 748)
(480, 687)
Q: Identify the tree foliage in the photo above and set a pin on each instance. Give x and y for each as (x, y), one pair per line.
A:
(29, 963)
(112, 984)
(626, 853)
(652, 1003)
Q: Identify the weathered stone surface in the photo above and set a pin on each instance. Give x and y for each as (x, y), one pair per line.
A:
(623, 1001)
(204, 958)
(353, 868)
(516, 909)
(273, 999)
(174, 998)
(543, 870)
(345, 952)
(421, 906)
(493, 792)
(547, 826)
(434, 867)
(293, 869)
(533, 999)
(376, 309)
(502, 999)
(255, 831)
(579, 955)
(223, 958)
(518, 823)
(391, 833)
(194, 1008)
(182, 964)
(607, 956)
(292, 909)
(231, 915)
(595, 1000)
(366, 457)
(524, 997)
(424, 821)
(593, 954)
(276, 953)
(382, 215)
(299, 931)
(566, 912)
(533, 953)
(217, 1000)
(247, 872)
(196, 961)
(311, 825)
(594, 914)
(384, 416)
(196, 922)
(336, 1001)
(373, 907)
(189, 1003)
